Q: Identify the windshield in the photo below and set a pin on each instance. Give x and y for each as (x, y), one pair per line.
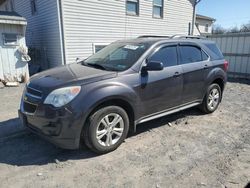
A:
(117, 56)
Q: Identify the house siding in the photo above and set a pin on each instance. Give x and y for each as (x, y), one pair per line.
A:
(89, 22)
(92, 21)
(43, 31)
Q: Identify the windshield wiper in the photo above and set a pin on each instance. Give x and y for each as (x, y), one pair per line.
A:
(98, 66)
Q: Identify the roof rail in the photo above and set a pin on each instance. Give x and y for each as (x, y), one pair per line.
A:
(187, 37)
(153, 36)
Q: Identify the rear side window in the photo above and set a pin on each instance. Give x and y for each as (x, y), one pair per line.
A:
(166, 55)
(215, 50)
(204, 56)
(190, 54)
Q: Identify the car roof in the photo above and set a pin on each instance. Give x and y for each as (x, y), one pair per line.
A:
(160, 40)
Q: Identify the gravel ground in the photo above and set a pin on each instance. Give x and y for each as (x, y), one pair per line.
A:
(10, 101)
(194, 150)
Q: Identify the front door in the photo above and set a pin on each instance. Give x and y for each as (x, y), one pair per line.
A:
(161, 90)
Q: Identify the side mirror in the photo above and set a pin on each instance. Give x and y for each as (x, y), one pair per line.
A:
(153, 66)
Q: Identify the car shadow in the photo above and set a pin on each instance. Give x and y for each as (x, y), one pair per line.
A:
(170, 120)
(10, 127)
(28, 149)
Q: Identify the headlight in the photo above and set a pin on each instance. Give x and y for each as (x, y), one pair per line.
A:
(62, 96)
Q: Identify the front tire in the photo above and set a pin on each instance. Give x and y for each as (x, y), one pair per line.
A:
(212, 99)
(106, 129)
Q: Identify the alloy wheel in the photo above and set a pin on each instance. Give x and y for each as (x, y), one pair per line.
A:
(213, 98)
(110, 129)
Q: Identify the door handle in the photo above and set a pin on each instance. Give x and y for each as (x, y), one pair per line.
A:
(206, 66)
(177, 74)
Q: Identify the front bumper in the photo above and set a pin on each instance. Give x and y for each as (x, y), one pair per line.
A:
(61, 127)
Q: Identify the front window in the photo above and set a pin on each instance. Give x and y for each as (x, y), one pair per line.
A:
(166, 55)
(117, 56)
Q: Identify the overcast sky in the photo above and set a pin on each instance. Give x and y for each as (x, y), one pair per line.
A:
(228, 13)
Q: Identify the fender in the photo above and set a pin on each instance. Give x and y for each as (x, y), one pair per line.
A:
(215, 73)
(96, 94)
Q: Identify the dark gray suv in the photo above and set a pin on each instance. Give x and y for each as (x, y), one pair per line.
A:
(98, 100)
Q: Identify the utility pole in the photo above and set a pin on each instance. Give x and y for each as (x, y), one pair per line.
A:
(194, 16)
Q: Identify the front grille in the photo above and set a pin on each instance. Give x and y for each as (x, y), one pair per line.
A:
(34, 92)
(28, 107)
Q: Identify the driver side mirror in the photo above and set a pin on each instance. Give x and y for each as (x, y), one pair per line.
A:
(153, 66)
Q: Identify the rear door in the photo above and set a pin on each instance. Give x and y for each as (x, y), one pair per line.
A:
(195, 65)
(161, 90)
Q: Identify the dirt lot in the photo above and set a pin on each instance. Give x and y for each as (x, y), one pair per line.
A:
(195, 151)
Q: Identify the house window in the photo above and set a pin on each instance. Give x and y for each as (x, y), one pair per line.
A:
(10, 39)
(98, 47)
(206, 28)
(132, 7)
(33, 5)
(158, 8)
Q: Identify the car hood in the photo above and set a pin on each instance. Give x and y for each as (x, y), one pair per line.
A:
(72, 74)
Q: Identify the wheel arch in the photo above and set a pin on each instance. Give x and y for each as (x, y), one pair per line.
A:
(114, 101)
(220, 82)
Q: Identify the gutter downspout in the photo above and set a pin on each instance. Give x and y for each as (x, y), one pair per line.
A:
(194, 16)
(61, 29)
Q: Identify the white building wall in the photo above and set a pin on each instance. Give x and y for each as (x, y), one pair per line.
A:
(202, 26)
(196, 31)
(104, 21)
(89, 22)
(43, 30)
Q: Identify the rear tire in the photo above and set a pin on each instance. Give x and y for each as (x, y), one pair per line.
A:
(106, 129)
(212, 99)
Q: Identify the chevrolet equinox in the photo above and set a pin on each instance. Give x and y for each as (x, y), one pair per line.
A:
(98, 100)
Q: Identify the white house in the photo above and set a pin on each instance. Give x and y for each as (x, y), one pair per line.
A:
(204, 24)
(62, 30)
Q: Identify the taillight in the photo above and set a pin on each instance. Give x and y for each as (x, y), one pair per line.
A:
(226, 65)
